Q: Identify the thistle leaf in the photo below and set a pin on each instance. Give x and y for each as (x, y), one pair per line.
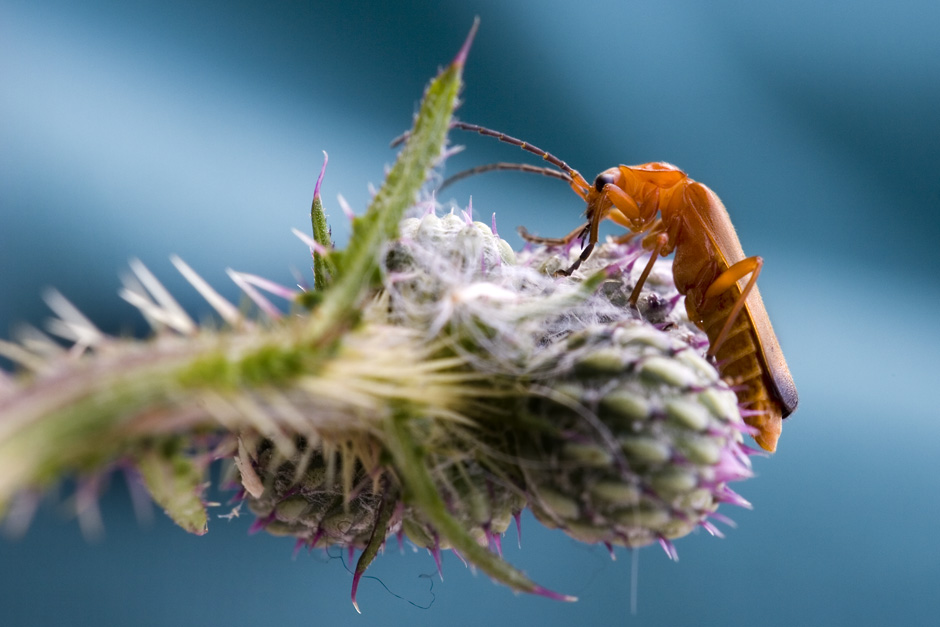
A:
(358, 266)
(176, 483)
(375, 543)
(323, 267)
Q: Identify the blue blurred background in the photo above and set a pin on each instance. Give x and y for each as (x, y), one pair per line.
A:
(145, 129)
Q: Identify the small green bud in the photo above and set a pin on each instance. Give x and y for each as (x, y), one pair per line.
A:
(687, 414)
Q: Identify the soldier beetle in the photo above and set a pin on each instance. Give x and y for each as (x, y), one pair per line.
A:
(677, 214)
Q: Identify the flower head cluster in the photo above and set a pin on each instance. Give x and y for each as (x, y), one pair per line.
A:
(605, 420)
(433, 385)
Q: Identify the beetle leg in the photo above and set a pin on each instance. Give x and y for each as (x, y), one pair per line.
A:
(727, 280)
(661, 241)
(577, 262)
(617, 216)
(624, 212)
(624, 202)
(626, 238)
(592, 227)
(554, 241)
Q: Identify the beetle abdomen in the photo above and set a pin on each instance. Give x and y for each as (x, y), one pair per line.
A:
(742, 364)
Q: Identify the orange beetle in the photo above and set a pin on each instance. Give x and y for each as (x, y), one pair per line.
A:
(678, 214)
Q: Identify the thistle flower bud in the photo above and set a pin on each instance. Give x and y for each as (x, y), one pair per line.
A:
(630, 439)
(623, 432)
(605, 424)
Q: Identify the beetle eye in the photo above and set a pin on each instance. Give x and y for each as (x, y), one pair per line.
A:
(603, 179)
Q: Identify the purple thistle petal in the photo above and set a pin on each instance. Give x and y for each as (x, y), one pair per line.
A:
(674, 301)
(460, 557)
(610, 549)
(712, 529)
(731, 468)
(297, 546)
(628, 267)
(518, 518)
(355, 586)
(723, 519)
(750, 451)
(545, 592)
(625, 264)
(497, 542)
(493, 225)
(741, 453)
(669, 548)
(436, 554)
(260, 523)
(750, 413)
(727, 495)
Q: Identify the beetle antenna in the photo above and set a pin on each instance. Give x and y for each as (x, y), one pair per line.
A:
(576, 177)
(519, 167)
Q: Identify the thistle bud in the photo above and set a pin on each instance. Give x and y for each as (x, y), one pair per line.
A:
(630, 441)
(623, 432)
